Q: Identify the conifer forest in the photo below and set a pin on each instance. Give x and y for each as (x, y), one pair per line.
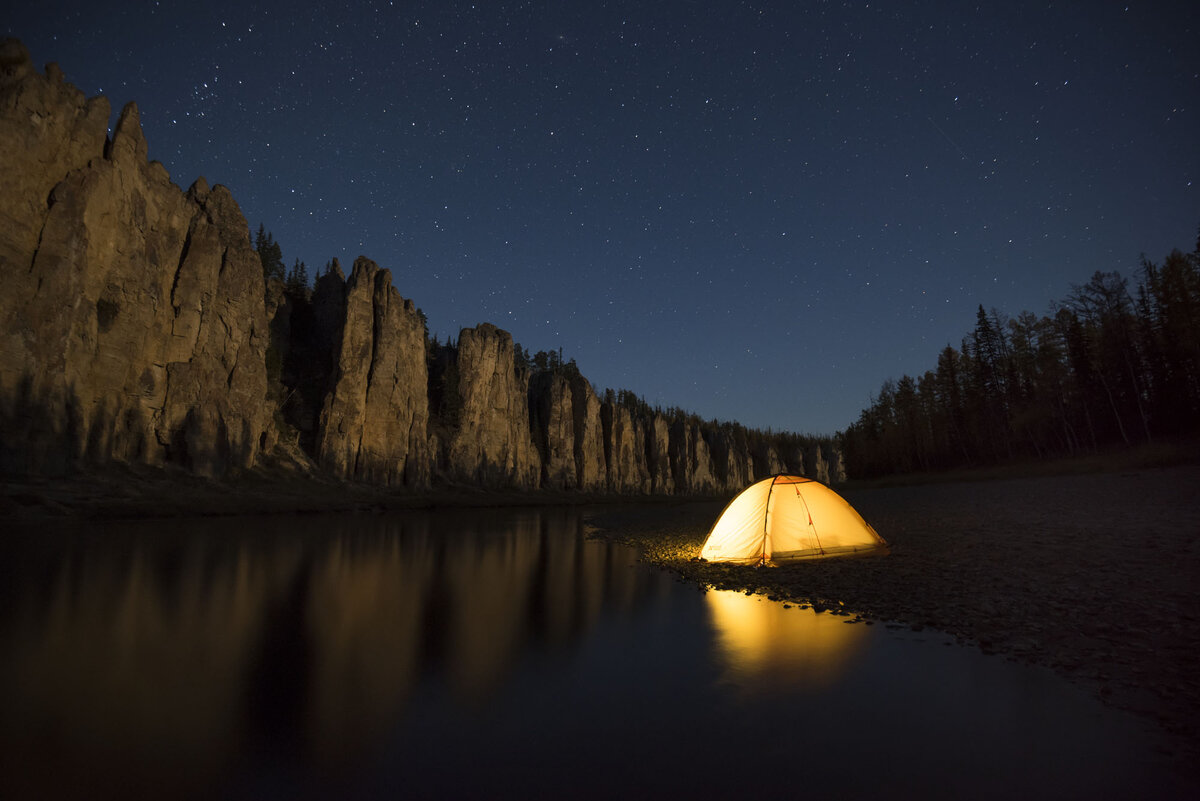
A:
(1110, 366)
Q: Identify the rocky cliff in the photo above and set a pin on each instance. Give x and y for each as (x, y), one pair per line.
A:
(374, 419)
(133, 325)
(590, 465)
(658, 460)
(568, 426)
(492, 446)
(552, 419)
(625, 450)
(733, 466)
(136, 328)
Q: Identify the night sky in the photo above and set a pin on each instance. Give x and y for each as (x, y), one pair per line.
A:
(755, 211)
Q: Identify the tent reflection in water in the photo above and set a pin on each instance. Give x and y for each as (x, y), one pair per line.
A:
(785, 518)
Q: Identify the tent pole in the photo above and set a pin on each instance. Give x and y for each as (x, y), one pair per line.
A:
(807, 511)
(762, 559)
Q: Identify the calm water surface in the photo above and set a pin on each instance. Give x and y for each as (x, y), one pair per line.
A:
(495, 654)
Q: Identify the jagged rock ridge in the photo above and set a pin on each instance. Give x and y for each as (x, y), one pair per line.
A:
(137, 328)
(133, 326)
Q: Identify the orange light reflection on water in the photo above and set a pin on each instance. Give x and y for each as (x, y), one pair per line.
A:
(763, 646)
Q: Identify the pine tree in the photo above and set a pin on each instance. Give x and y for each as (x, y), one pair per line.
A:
(297, 279)
(269, 253)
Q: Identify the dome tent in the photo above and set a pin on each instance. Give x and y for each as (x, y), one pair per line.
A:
(783, 518)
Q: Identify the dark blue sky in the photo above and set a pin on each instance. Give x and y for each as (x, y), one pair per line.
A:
(755, 211)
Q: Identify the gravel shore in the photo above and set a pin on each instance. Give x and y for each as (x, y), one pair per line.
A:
(1096, 576)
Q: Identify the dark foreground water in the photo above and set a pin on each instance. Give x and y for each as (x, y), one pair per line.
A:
(495, 654)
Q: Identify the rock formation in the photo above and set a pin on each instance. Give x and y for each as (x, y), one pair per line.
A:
(591, 469)
(373, 424)
(829, 469)
(837, 467)
(658, 459)
(136, 327)
(492, 446)
(691, 463)
(133, 324)
(569, 428)
(625, 448)
(733, 466)
(552, 418)
(765, 459)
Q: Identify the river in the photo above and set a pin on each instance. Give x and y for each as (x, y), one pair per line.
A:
(494, 654)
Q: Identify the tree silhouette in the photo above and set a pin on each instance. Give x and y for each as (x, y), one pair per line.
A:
(1106, 367)
(297, 279)
(269, 253)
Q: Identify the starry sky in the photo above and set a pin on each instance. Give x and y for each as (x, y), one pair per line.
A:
(756, 211)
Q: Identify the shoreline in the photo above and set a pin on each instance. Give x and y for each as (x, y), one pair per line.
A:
(288, 484)
(1095, 576)
(122, 493)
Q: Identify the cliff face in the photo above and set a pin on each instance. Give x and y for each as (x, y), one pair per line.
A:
(569, 428)
(691, 462)
(766, 461)
(824, 467)
(552, 418)
(493, 446)
(135, 327)
(49, 130)
(732, 464)
(373, 424)
(658, 459)
(591, 469)
(133, 324)
(625, 443)
(837, 467)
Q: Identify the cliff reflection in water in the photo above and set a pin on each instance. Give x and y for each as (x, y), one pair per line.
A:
(188, 649)
(765, 647)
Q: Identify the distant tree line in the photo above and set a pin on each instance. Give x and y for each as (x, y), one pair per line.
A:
(1106, 367)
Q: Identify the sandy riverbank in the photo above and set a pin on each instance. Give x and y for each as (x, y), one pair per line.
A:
(1096, 576)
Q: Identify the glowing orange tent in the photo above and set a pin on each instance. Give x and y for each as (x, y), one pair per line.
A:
(784, 518)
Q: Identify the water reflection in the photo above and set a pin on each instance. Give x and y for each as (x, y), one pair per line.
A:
(175, 655)
(765, 647)
(490, 655)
